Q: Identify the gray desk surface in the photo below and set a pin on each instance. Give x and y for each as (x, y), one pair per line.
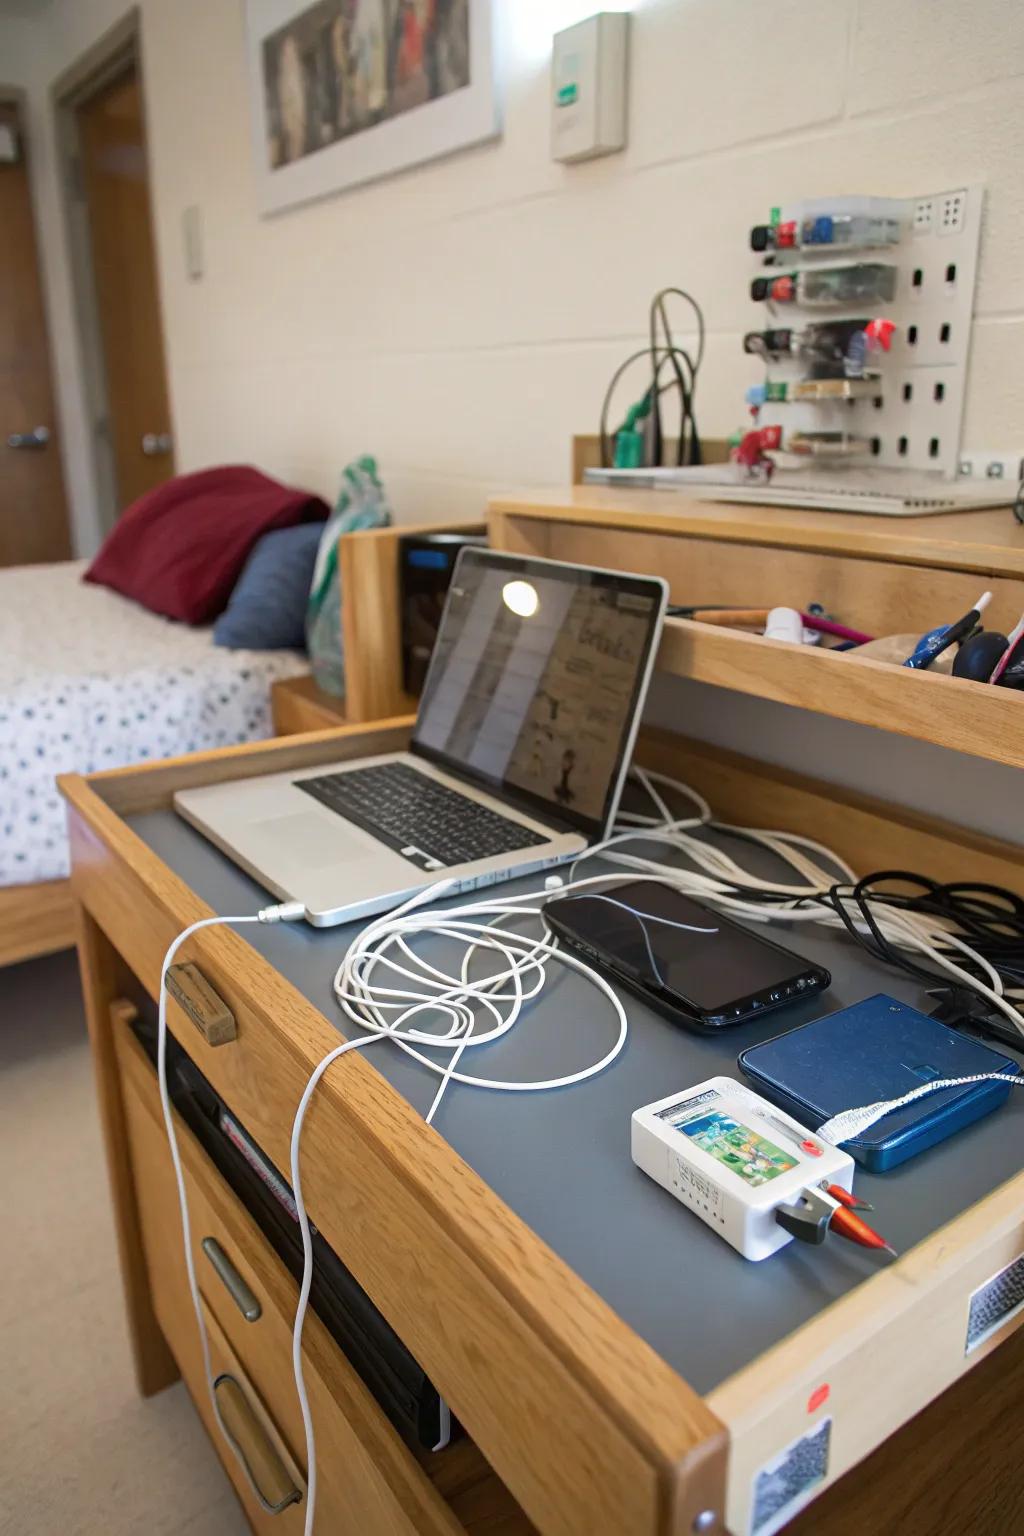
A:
(561, 1159)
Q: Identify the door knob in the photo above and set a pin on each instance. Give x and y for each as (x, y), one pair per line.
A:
(156, 443)
(37, 438)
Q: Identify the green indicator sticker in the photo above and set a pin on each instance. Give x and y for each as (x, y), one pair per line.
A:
(567, 94)
(776, 216)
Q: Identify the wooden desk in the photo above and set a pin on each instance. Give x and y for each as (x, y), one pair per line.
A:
(576, 1426)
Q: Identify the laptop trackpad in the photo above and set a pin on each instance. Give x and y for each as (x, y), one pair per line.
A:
(304, 841)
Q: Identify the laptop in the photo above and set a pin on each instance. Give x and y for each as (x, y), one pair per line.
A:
(522, 743)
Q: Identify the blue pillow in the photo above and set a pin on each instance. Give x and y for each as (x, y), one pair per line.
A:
(267, 609)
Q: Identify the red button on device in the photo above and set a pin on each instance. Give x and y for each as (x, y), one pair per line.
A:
(811, 1148)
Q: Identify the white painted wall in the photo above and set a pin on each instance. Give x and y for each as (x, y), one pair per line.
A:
(461, 320)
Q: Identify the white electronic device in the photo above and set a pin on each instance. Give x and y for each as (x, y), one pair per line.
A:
(733, 1159)
(588, 87)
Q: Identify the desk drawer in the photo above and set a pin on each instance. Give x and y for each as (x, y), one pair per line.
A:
(584, 1424)
(251, 1297)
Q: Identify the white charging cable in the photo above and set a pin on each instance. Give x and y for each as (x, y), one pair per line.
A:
(286, 912)
(454, 998)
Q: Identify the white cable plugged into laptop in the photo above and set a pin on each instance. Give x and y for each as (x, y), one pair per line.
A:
(389, 1013)
(290, 911)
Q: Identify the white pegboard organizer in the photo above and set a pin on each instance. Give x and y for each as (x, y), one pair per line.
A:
(923, 377)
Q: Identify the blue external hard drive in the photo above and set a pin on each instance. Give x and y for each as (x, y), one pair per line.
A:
(878, 1049)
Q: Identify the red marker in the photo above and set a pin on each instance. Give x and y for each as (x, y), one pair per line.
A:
(848, 1224)
(852, 1202)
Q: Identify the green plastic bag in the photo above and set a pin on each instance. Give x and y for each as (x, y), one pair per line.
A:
(361, 503)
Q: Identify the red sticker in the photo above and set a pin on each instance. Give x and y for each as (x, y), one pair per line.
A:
(818, 1397)
(811, 1148)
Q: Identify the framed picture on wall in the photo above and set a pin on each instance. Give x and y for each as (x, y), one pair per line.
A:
(345, 91)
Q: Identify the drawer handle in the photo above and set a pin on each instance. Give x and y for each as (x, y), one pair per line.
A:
(238, 1289)
(269, 1478)
(206, 1008)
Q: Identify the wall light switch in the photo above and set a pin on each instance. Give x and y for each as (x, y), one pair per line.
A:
(588, 87)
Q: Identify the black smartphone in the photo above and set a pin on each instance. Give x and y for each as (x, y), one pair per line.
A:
(687, 960)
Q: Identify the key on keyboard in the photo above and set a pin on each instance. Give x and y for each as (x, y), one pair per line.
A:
(406, 809)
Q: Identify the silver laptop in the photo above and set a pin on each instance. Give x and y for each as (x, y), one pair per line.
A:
(521, 746)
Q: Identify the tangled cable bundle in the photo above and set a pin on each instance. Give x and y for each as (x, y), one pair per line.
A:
(388, 987)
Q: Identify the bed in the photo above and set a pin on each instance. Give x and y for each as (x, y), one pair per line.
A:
(91, 680)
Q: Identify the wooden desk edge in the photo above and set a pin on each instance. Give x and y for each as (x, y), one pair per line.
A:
(876, 1357)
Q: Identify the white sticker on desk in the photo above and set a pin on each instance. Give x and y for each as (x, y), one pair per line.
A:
(784, 1485)
(699, 1190)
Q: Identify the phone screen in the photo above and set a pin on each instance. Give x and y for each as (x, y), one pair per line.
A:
(670, 942)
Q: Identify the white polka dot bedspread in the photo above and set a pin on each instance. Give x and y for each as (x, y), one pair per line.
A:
(90, 680)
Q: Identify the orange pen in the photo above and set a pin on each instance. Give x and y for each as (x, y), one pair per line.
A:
(853, 1202)
(846, 1223)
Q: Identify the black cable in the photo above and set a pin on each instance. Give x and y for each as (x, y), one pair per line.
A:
(1018, 503)
(685, 369)
(606, 455)
(988, 918)
(995, 929)
(688, 425)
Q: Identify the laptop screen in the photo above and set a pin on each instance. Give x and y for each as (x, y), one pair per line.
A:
(537, 679)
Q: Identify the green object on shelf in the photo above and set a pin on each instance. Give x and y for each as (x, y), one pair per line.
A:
(776, 389)
(629, 449)
(362, 503)
(629, 440)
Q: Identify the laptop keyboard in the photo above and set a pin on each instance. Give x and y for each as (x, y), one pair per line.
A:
(425, 821)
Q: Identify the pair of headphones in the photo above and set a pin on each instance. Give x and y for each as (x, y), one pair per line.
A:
(989, 657)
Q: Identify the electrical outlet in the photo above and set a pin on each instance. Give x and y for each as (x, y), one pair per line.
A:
(924, 216)
(990, 466)
(952, 213)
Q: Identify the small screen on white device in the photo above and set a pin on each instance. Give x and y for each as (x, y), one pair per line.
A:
(746, 1153)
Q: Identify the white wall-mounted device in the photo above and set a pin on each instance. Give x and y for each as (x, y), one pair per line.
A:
(588, 87)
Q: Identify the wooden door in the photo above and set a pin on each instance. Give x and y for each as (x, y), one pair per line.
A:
(33, 512)
(115, 180)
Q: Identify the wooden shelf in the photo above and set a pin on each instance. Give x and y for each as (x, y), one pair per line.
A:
(883, 575)
(946, 711)
(989, 542)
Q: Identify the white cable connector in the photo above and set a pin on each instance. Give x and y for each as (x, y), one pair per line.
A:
(285, 912)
